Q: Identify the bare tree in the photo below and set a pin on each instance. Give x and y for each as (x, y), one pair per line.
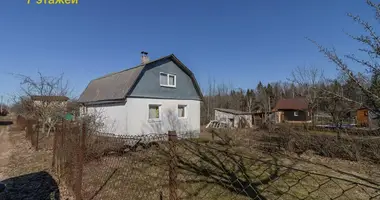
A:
(308, 80)
(49, 112)
(331, 102)
(371, 42)
(250, 100)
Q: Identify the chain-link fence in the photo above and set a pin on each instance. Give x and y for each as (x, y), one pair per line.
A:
(177, 166)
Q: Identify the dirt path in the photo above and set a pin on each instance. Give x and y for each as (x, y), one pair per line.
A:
(5, 150)
(21, 165)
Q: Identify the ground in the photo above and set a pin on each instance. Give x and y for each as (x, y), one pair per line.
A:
(204, 174)
(4, 150)
(26, 172)
(208, 170)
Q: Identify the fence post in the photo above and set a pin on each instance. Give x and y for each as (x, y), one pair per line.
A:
(61, 149)
(80, 162)
(28, 129)
(172, 165)
(36, 132)
(55, 137)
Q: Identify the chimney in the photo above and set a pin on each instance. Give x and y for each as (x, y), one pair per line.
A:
(144, 57)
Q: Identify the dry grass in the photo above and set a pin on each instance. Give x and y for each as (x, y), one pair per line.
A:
(231, 168)
(24, 159)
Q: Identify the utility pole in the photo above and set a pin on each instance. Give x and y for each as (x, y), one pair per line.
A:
(293, 92)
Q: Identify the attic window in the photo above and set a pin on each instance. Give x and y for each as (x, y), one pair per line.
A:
(295, 113)
(167, 80)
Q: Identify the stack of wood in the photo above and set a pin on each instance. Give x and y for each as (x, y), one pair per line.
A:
(217, 124)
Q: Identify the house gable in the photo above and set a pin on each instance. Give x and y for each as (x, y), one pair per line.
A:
(148, 83)
(142, 81)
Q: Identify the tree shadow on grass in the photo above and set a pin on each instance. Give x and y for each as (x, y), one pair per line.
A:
(5, 123)
(210, 169)
(34, 186)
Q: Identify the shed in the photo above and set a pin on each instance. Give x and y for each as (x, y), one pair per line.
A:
(366, 118)
(234, 118)
(294, 110)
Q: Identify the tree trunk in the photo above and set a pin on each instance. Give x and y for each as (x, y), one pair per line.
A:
(43, 127)
(48, 132)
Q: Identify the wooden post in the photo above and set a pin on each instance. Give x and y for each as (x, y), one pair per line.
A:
(172, 166)
(80, 162)
(29, 128)
(61, 150)
(36, 133)
(55, 140)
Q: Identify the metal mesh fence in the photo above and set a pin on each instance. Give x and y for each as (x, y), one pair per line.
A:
(171, 166)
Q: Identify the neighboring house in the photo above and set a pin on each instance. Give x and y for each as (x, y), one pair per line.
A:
(366, 118)
(295, 110)
(49, 101)
(38, 98)
(4, 111)
(153, 97)
(234, 118)
(50, 108)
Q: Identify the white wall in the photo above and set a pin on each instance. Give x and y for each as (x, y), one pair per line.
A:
(132, 118)
(114, 117)
(138, 114)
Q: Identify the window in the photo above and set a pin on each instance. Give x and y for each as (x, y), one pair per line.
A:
(295, 113)
(167, 80)
(154, 111)
(181, 111)
(84, 110)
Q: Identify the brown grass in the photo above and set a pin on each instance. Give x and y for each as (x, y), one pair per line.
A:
(24, 159)
(144, 174)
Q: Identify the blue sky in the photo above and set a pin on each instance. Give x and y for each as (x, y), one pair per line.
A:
(239, 42)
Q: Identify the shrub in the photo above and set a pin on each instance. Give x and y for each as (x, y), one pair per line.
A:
(348, 148)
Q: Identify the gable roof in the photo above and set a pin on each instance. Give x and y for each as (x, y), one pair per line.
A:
(232, 111)
(116, 86)
(299, 103)
(48, 98)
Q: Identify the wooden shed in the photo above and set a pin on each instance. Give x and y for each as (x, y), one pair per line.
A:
(366, 118)
(234, 118)
(294, 110)
(362, 117)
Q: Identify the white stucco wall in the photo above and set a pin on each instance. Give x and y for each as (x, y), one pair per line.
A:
(132, 118)
(114, 117)
(138, 116)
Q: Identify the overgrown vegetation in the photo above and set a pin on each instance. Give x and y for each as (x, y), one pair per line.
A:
(346, 147)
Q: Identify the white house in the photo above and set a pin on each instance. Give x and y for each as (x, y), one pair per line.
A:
(153, 97)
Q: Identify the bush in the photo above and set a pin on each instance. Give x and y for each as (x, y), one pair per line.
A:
(98, 146)
(348, 148)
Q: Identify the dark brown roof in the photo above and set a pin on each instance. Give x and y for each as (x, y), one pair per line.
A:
(291, 104)
(49, 98)
(231, 111)
(116, 86)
